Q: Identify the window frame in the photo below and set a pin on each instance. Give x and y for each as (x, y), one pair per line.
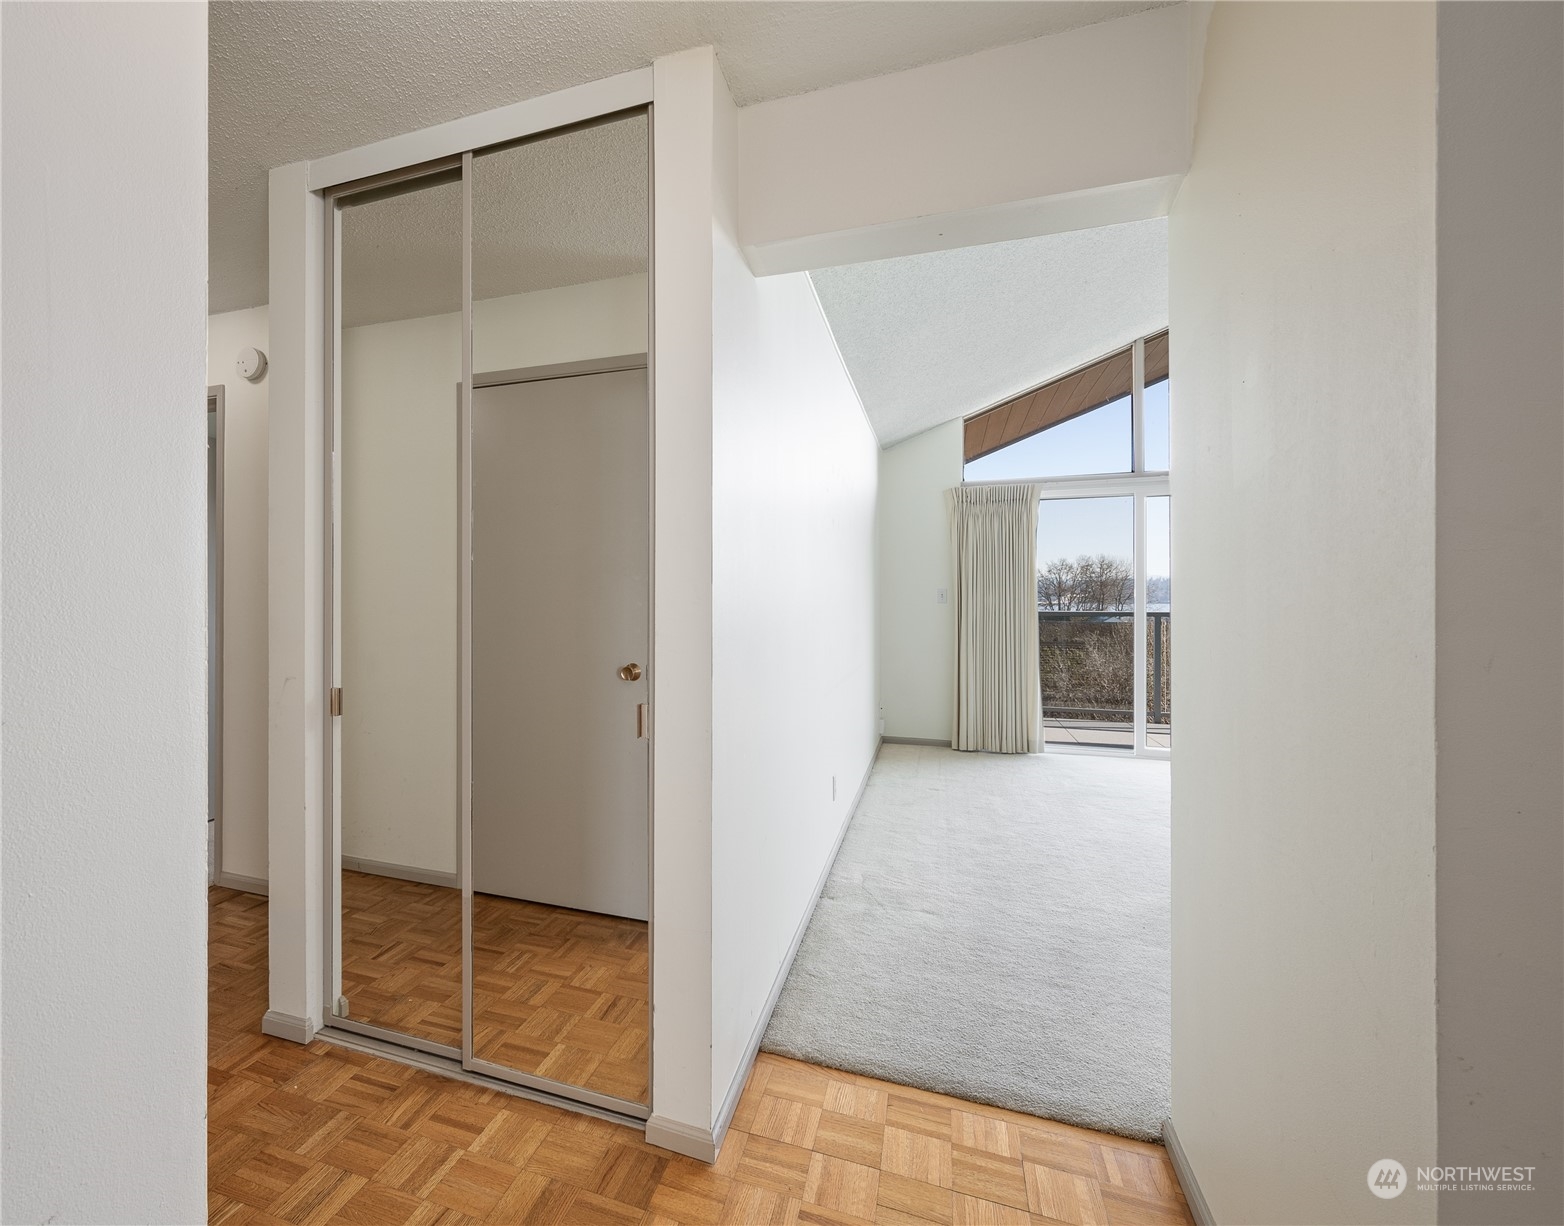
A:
(1139, 484)
(1137, 394)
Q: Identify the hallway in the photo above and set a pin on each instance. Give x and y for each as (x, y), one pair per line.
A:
(326, 1134)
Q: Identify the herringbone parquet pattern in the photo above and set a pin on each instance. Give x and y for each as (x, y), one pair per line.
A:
(559, 993)
(323, 1134)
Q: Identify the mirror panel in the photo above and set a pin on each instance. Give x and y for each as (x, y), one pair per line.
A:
(560, 610)
(399, 364)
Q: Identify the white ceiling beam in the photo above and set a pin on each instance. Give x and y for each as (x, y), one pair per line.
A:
(1085, 128)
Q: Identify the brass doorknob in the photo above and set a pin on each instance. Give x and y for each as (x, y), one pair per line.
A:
(630, 672)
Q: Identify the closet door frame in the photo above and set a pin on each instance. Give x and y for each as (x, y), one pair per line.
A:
(409, 179)
(396, 165)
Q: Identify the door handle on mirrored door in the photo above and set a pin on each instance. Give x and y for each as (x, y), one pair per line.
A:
(630, 672)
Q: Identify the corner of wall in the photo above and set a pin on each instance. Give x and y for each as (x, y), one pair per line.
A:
(683, 150)
(295, 557)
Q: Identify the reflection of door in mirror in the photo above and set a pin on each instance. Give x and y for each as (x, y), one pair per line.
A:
(400, 363)
(560, 592)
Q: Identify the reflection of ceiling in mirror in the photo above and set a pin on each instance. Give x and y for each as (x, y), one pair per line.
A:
(561, 211)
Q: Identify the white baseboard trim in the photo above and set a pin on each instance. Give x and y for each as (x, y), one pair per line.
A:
(730, 1104)
(402, 872)
(916, 740)
(686, 1139)
(247, 885)
(287, 1026)
(1193, 1196)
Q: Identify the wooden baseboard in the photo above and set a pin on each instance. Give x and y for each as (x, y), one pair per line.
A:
(1193, 1196)
(401, 872)
(916, 740)
(246, 885)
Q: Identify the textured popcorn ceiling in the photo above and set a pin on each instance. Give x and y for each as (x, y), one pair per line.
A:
(560, 211)
(290, 80)
(929, 338)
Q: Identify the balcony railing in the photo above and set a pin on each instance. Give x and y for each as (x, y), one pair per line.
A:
(1087, 666)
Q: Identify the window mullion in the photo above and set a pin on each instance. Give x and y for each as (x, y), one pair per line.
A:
(1138, 407)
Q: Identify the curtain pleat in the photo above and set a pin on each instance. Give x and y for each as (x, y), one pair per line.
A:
(993, 534)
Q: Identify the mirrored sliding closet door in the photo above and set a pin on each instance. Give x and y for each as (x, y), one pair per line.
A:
(490, 605)
(397, 366)
(557, 675)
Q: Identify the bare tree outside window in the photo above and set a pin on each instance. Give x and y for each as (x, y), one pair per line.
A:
(1092, 583)
(1087, 663)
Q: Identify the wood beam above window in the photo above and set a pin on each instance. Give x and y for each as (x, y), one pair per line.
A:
(1081, 391)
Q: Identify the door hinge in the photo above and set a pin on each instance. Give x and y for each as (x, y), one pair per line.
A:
(336, 700)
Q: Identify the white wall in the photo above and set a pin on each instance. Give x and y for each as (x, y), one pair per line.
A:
(399, 498)
(917, 633)
(1085, 128)
(1500, 663)
(399, 793)
(794, 469)
(244, 590)
(104, 558)
(1302, 321)
(398, 668)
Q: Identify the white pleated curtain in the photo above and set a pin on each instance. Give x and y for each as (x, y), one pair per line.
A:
(993, 535)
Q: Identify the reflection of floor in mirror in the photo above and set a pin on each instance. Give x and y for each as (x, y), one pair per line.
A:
(558, 993)
(402, 956)
(562, 994)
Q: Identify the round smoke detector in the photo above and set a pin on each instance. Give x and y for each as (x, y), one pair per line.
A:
(251, 364)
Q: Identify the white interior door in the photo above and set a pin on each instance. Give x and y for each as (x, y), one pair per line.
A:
(560, 601)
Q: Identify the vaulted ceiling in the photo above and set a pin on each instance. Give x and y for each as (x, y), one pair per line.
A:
(290, 81)
(930, 338)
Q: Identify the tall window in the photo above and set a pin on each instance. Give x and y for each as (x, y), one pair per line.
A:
(1098, 441)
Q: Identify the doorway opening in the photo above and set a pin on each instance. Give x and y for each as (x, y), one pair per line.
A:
(997, 925)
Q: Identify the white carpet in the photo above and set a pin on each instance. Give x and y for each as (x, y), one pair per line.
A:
(996, 927)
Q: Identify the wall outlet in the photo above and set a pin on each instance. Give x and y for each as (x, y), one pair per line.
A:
(942, 595)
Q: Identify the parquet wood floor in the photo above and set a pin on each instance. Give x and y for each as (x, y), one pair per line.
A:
(556, 992)
(323, 1134)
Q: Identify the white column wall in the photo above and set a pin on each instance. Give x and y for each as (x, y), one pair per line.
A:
(295, 548)
(104, 690)
(681, 606)
(1500, 663)
(1302, 323)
